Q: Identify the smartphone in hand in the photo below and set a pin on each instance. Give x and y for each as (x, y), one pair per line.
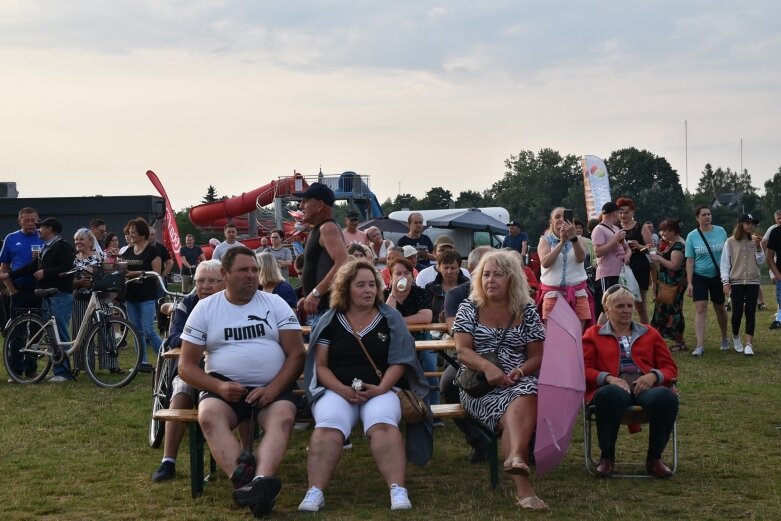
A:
(568, 216)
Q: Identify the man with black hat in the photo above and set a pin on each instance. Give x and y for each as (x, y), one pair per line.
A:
(324, 252)
(351, 233)
(56, 257)
(516, 239)
(612, 253)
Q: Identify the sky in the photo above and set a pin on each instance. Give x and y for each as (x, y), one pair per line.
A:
(414, 94)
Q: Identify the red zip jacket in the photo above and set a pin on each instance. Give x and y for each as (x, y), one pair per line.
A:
(601, 356)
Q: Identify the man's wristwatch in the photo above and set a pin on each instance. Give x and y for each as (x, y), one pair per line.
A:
(574, 239)
(316, 293)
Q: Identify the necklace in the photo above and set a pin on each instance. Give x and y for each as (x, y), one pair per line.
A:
(359, 321)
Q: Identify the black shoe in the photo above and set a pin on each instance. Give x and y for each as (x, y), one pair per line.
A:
(243, 473)
(262, 510)
(261, 493)
(145, 368)
(775, 325)
(166, 471)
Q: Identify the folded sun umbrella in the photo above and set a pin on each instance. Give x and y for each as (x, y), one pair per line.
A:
(560, 387)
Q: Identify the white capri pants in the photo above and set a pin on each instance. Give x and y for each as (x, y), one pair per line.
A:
(334, 412)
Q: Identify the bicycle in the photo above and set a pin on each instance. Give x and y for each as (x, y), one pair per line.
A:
(108, 361)
(165, 368)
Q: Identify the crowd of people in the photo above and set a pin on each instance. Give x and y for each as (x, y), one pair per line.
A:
(242, 347)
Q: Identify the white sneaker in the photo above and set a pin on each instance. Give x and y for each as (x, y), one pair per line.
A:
(57, 379)
(698, 351)
(748, 350)
(737, 344)
(399, 498)
(725, 344)
(313, 501)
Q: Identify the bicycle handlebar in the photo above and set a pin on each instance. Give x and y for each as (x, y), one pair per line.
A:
(160, 281)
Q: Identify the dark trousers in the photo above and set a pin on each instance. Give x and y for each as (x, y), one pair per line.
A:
(744, 296)
(660, 404)
(474, 436)
(24, 299)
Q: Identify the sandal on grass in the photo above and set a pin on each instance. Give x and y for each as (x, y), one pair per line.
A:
(678, 347)
(516, 466)
(532, 503)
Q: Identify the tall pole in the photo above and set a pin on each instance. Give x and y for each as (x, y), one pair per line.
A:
(741, 156)
(686, 141)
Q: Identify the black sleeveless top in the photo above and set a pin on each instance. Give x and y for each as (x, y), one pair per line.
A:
(317, 263)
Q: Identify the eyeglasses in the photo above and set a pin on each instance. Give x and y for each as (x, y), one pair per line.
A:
(211, 282)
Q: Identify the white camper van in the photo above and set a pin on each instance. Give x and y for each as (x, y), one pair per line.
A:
(465, 240)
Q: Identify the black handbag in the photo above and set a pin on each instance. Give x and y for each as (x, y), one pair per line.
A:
(472, 381)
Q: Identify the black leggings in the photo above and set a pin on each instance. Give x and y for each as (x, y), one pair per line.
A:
(744, 295)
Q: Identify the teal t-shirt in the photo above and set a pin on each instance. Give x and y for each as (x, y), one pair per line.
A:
(695, 247)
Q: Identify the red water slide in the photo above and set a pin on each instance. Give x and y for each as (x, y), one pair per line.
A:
(219, 212)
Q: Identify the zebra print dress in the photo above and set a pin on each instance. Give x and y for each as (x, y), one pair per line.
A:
(490, 408)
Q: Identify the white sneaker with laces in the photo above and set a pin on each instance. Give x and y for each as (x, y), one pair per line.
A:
(399, 498)
(737, 344)
(725, 344)
(748, 350)
(698, 351)
(313, 501)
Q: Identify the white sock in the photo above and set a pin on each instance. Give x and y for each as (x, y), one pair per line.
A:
(172, 460)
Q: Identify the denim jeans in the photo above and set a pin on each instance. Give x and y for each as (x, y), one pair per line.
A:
(60, 306)
(142, 316)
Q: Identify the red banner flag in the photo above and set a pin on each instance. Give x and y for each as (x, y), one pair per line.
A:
(171, 237)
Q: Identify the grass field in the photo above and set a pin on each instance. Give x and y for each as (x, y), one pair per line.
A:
(73, 451)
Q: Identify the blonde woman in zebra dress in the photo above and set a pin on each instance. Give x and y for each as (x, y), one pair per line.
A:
(499, 315)
(88, 258)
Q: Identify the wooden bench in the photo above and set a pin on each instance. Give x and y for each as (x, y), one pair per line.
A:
(197, 442)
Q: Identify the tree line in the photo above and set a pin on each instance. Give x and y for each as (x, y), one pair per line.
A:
(534, 184)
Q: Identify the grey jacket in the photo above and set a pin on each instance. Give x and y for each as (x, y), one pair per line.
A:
(420, 437)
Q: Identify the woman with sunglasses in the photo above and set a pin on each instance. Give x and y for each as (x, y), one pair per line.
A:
(626, 364)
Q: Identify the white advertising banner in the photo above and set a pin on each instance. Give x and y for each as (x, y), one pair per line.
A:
(597, 185)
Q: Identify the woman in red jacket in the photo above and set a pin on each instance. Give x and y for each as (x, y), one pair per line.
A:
(626, 364)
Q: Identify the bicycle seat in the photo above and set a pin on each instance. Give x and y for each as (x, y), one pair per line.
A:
(45, 293)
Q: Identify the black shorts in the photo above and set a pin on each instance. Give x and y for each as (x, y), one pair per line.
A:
(704, 285)
(601, 285)
(242, 409)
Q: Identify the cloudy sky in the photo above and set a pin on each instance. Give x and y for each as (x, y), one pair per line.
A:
(415, 94)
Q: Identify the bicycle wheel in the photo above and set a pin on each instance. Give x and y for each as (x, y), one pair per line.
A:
(26, 350)
(109, 363)
(161, 397)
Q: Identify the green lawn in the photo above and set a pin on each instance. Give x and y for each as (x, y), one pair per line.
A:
(79, 452)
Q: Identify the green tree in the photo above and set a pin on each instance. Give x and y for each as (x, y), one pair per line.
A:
(405, 201)
(211, 195)
(535, 184)
(647, 179)
(772, 198)
(436, 199)
(470, 199)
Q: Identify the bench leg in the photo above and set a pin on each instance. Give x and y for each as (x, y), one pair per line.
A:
(493, 460)
(196, 460)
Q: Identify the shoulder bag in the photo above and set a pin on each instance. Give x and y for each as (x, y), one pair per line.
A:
(413, 409)
(715, 264)
(665, 293)
(472, 381)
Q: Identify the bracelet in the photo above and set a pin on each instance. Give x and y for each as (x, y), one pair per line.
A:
(521, 370)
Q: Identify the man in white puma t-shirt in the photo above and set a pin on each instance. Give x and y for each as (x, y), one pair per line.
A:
(254, 353)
